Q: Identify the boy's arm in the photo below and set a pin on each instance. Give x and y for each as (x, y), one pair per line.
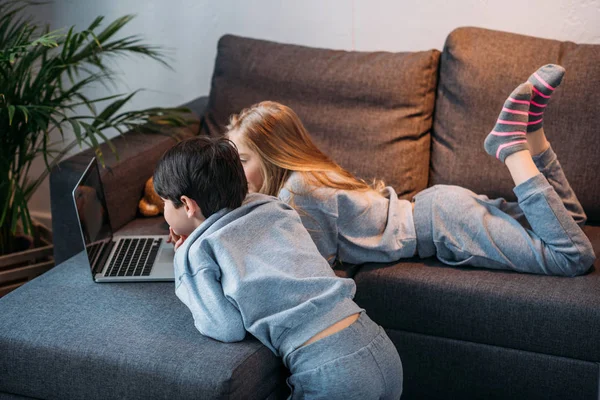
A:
(214, 314)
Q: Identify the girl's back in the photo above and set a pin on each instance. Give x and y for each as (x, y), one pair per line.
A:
(352, 226)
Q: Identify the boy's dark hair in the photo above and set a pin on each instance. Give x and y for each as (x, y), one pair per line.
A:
(207, 170)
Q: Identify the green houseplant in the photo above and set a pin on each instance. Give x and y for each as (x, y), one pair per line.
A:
(45, 80)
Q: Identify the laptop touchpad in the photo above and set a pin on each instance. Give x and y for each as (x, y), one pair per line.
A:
(166, 255)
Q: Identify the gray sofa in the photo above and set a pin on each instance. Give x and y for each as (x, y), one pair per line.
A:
(414, 119)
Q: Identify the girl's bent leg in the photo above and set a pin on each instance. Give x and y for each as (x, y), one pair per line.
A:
(461, 228)
(548, 164)
(521, 166)
(563, 240)
(555, 244)
(544, 82)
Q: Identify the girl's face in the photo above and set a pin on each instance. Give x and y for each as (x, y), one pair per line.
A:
(250, 161)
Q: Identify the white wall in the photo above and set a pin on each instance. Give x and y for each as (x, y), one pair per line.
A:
(191, 28)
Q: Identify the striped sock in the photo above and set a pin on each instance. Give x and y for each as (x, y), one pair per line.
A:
(508, 136)
(544, 81)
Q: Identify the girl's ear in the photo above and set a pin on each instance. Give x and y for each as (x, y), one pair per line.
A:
(192, 209)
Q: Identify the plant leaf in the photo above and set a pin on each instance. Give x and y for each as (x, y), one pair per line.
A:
(11, 113)
(46, 78)
(111, 109)
(23, 109)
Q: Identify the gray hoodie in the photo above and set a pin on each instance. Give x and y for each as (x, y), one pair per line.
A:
(256, 269)
(353, 226)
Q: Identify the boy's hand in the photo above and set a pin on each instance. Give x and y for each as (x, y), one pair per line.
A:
(180, 241)
(172, 236)
(176, 239)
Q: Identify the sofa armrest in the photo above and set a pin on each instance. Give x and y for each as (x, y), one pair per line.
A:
(123, 177)
(198, 105)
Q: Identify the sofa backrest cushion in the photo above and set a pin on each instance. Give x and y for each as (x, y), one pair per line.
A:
(370, 111)
(479, 68)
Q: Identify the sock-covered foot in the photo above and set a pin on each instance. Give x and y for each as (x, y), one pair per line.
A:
(509, 134)
(544, 81)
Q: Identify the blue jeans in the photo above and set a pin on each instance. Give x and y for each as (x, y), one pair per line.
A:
(359, 362)
(539, 234)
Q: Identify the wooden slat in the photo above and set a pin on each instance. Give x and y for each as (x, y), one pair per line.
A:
(27, 255)
(44, 233)
(27, 272)
(18, 268)
(7, 289)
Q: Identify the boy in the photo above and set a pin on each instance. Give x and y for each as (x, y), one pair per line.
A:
(246, 263)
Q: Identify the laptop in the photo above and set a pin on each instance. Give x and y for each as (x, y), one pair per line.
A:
(117, 258)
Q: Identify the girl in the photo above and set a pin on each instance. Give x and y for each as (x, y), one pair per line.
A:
(351, 221)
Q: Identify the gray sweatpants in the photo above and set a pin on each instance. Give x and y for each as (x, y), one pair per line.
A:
(540, 234)
(359, 362)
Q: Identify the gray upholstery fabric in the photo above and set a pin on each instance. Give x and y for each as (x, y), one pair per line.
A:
(64, 336)
(542, 314)
(440, 368)
(8, 396)
(479, 69)
(197, 106)
(371, 112)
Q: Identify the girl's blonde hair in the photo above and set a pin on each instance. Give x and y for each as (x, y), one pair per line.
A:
(276, 134)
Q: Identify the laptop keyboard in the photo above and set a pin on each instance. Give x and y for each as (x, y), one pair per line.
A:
(134, 257)
(94, 251)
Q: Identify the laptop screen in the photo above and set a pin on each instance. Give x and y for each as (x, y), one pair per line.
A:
(92, 212)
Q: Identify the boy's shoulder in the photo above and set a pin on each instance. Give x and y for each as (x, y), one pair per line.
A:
(258, 202)
(256, 209)
(256, 199)
(260, 210)
(257, 212)
(258, 222)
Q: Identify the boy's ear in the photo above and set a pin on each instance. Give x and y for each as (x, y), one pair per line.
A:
(192, 209)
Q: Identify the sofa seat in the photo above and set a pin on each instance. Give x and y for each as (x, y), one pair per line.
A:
(64, 336)
(502, 322)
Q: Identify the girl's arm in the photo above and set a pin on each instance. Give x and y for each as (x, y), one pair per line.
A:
(317, 207)
(321, 224)
(214, 314)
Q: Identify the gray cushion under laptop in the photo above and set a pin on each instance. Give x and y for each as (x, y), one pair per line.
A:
(132, 340)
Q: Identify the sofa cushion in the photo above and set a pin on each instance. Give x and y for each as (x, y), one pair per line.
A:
(64, 336)
(541, 314)
(479, 68)
(436, 368)
(371, 112)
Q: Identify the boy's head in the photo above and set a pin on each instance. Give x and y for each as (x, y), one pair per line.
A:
(203, 170)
